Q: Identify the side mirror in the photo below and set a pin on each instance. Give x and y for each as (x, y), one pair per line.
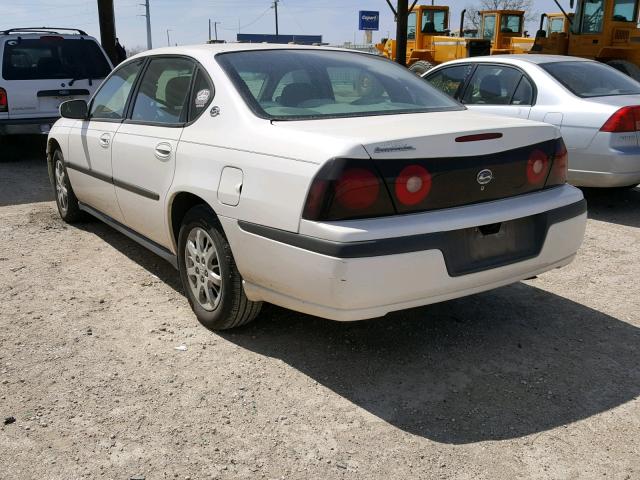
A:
(74, 109)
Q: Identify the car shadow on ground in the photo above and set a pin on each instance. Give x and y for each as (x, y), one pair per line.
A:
(621, 206)
(504, 364)
(23, 171)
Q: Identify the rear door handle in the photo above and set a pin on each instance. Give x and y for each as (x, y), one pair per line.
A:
(105, 140)
(163, 150)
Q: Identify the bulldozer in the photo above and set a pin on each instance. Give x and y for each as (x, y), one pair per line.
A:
(505, 30)
(429, 42)
(603, 30)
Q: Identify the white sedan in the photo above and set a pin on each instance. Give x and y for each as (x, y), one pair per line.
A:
(596, 107)
(330, 182)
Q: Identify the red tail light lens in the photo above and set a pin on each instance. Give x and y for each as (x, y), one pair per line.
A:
(347, 189)
(558, 175)
(357, 189)
(537, 167)
(412, 185)
(4, 103)
(627, 119)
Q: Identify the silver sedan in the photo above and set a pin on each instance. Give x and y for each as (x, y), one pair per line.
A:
(596, 107)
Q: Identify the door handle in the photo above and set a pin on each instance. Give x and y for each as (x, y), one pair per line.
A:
(105, 140)
(163, 150)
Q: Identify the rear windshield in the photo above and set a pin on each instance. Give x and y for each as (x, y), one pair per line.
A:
(592, 79)
(53, 57)
(307, 84)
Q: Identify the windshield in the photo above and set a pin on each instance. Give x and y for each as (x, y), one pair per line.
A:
(511, 24)
(53, 57)
(301, 84)
(434, 21)
(592, 79)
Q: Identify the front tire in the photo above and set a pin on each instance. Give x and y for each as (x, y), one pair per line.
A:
(421, 67)
(209, 274)
(66, 200)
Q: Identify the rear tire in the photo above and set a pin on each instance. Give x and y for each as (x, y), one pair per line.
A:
(421, 67)
(626, 67)
(66, 200)
(209, 274)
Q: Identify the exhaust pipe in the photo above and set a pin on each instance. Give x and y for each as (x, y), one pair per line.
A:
(462, 22)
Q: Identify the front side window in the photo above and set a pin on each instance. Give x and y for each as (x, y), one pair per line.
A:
(52, 56)
(592, 16)
(411, 26)
(592, 79)
(163, 91)
(309, 84)
(434, 21)
(511, 24)
(492, 85)
(625, 10)
(489, 27)
(450, 80)
(110, 101)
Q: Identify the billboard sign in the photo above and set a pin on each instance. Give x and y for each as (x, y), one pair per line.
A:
(369, 20)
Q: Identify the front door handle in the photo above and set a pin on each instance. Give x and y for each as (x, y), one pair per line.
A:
(163, 150)
(105, 140)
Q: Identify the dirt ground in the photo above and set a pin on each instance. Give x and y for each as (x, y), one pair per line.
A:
(539, 380)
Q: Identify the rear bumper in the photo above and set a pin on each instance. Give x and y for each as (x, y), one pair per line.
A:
(27, 126)
(359, 280)
(601, 165)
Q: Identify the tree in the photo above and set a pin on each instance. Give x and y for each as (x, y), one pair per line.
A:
(472, 19)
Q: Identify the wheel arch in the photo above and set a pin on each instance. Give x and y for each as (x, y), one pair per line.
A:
(52, 145)
(181, 202)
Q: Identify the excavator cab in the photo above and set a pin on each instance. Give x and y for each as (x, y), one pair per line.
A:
(604, 30)
(429, 42)
(505, 30)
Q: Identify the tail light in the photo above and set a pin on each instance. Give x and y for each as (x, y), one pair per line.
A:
(537, 167)
(627, 119)
(413, 185)
(346, 189)
(558, 174)
(4, 103)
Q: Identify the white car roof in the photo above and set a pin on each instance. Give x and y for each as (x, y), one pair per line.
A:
(520, 59)
(215, 48)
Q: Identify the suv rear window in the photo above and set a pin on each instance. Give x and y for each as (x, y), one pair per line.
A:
(53, 57)
(592, 79)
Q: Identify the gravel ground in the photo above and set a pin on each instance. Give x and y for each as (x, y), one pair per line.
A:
(539, 380)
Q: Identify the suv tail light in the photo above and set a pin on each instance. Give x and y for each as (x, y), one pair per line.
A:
(627, 119)
(558, 174)
(345, 189)
(4, 103)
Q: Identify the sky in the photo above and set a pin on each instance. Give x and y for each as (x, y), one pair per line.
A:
(187, 20)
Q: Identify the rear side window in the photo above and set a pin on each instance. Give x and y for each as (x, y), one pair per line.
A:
(450, 80)
(201, 95)
(111, 99)
(162, 96)
(492, 85)
(592, 79)
(53, 57)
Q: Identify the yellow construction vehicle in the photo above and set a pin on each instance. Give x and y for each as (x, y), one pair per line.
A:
(429, 42)
(505, 30)
(604, 30)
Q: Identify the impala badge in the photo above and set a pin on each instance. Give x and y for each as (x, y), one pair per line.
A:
(484, 177)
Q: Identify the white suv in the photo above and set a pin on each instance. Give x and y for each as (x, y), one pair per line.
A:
(39, 69)
(330, 182)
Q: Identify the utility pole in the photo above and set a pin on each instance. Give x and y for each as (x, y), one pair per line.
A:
(209, 30)
(168, 40)
(148, 15)
(275, 6)
(106, 18)
(402, 17)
